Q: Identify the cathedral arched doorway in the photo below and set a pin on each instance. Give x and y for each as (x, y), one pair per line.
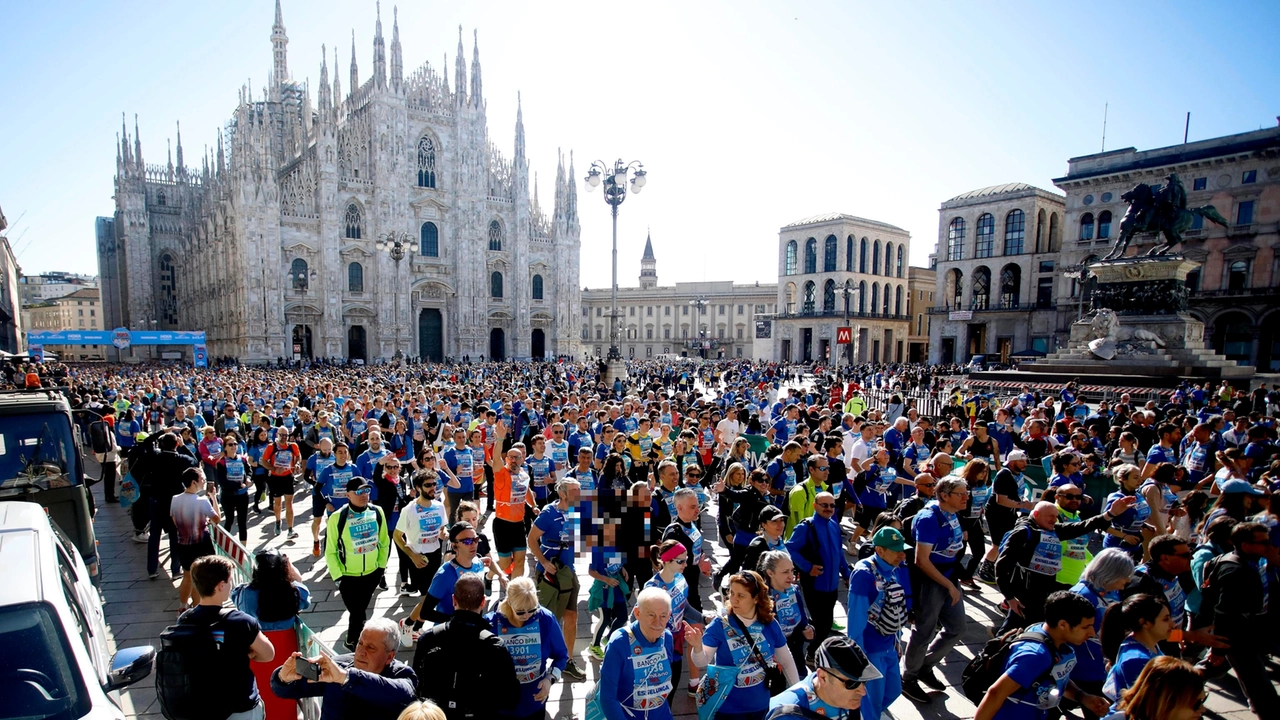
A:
(497, 344)
(538, 344)
(356, 344)
(431, 335)
(302, 342)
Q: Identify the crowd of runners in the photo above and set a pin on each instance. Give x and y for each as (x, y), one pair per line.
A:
(722, 511)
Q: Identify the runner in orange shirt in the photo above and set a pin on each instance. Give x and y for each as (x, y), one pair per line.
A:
(512, 492)
(282, 460)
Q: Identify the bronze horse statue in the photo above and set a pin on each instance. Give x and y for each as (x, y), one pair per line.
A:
(1162, 211)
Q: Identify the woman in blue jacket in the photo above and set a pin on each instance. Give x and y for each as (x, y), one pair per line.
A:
(532, 635)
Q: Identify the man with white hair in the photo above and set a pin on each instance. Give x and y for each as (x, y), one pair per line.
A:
(636, 673)
(369, 683)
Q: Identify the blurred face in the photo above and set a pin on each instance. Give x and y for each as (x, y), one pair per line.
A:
(775, 527)
(1069, 498)
(825, 505)
(359, 498)
(688, 510)
(427, 488)
(1194, 712)
(1177, 562)
(893, 557)
(783, 575)
(342, 454)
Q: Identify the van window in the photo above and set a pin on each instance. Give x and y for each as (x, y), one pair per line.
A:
(40, 681)
(35, 451)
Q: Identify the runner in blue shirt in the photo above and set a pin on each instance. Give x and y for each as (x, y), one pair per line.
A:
(837, 686)
(636, 678)
(530, 633)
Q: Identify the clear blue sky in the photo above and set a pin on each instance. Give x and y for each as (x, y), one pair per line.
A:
(747, 114)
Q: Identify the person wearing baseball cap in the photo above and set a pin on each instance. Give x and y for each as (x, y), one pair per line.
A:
(356, 551)
(1008, 498)
(877, 612)
(834, 688)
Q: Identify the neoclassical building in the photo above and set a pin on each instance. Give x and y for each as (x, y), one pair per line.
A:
(709, 319)
(271, 244)
(837, 267)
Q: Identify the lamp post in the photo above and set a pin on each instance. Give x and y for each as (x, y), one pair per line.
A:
(615, 192)
(302, 284)
(395, 243)
(700, 305)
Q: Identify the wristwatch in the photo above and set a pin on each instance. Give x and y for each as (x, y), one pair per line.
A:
(554, 676)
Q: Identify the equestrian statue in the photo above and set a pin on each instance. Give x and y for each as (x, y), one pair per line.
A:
(1160, 210)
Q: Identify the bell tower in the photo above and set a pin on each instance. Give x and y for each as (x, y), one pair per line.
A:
(648, 266)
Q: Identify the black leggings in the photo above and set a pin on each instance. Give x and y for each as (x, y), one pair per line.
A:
(611, 619)
(236, 507)
(733, 564)
(977, 546)
(259, 487)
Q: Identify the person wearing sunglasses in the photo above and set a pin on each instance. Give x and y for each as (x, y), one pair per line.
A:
(419, 530)
(669, 561)
(530, 633)
(437, 604)
(356, 553)
(837, 686)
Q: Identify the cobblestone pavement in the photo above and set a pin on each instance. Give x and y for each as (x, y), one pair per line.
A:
(138, 609)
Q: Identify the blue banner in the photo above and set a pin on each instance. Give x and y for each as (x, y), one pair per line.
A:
(201, 355)
(107, 337)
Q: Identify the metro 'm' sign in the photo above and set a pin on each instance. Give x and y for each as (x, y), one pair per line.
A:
(844, 336)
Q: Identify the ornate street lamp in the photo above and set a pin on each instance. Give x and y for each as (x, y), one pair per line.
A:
(615, 192)
(395, 244)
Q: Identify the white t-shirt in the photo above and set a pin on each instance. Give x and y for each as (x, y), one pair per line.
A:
(421, 525)
(729, 430)
(858, 450)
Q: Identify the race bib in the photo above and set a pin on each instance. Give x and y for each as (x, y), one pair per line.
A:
(364, 533)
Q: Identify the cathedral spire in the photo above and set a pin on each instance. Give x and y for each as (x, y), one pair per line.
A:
(124, 141)
(444, 75)
(648, 265)
(477, 96)
(571, 193)
(137, 145)
(355, 76)
(559, 209)
(279, 41)
(337, 83)
(379, 52)
(397, 60)
(181, 169)
(460, 73)
(169, 144)
(519, 129)
(323, 96)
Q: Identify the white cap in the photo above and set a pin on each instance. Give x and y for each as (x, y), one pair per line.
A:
(1016, 455)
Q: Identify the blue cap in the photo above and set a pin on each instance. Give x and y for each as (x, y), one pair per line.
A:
(1236, 485)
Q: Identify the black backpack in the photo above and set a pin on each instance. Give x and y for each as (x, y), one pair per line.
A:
(191, 671)
(988, 665)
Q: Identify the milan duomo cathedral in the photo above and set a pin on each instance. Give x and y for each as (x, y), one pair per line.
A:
(282, 243)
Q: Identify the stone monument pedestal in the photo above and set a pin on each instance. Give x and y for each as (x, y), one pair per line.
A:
(615, 369)
(1139, 327)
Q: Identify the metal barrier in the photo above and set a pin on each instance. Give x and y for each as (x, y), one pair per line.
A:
(309, 643)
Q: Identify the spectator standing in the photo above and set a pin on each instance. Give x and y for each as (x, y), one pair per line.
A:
(818, 553)
(274, 597)
(369, 684)
(191, 515)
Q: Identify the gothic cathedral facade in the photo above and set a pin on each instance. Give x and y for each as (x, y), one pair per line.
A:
(383, 223)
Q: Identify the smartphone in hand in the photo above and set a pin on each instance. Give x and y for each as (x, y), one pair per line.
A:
(308, 669)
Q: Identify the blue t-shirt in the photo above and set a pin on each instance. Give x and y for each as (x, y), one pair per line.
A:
(462, 464)
(1039, 677)
(332, 483)
(679, 592)
(1090, 664)
(446, 577)
(880, 480)
(749, 693)
(782, 476)
(635, 677)
(1131, 658)
(803, 695)
(942, 530)
(531, 646)
(558, 533)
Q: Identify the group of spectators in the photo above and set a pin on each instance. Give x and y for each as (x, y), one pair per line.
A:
(426, 471)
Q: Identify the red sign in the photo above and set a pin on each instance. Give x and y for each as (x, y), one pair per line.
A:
(844, 336)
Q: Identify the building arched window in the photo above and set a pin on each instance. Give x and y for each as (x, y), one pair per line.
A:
(168, 292)
(862, 256)
(298, 274)
(955, 288)
(160, 198)
(875, 298)
(1238, 275)
(1010, 286)
(429, 245)
(885, 309)
(495, 235)
(426, 163)
(848, 295)
(790, 268)
(888, 259)
(353, 222)
(537, 287)
(897, 300)
(1015, 232)
(1040, 231)
(1086, 226)
(848, 254)
(1104, 224)
(791, 297)
(810, 298)
(901, 263)
(495, 284)
(875, 259)
(862, 296)
(980, 298)
(984, 240)
(955, 239)
(829, 296)
(1055, 233)
(355, 277)
(829, 254)
(810, 256)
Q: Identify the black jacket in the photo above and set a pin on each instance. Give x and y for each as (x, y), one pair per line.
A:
(749, 502)
(1013, 574)
(463, 667)
(759, 546)
(1237, 614)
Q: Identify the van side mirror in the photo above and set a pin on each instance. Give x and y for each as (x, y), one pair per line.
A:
(130, 665)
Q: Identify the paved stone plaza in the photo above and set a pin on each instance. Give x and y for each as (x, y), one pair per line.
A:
(138, 609)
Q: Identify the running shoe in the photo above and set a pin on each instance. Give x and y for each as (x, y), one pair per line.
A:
(407, 636)
(404, 592)
(315, 549)
(597, 651)
(969, 583)
(912, 691)
(141, 537)
(293, 534)
(987, 572)
(693, 687)
(573, 671)
(928, 677)
(837, 627)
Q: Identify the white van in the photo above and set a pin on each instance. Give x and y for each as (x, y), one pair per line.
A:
(54, 659)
